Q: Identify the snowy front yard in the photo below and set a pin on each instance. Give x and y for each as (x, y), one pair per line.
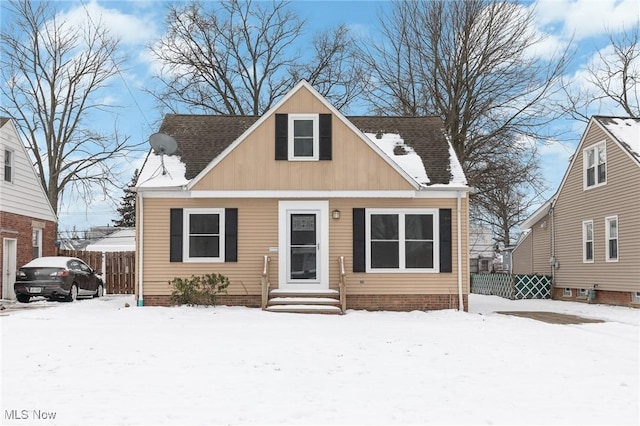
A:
(97, 362)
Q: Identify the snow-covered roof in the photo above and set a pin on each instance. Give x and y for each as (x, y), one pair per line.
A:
(626, 131)
(123, 240)
(162, 171)
(403, 155)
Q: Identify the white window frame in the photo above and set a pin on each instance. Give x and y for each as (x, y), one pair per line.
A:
(567, 292)
(585, 241)
(595, 149)
(607, 231)
(8, 153)
(583, 292)
(36, 237)
(316, 136)
(635, 297)
(185, 236)
(402, 241)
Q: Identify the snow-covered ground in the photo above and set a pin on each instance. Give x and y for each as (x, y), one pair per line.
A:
(98, 362)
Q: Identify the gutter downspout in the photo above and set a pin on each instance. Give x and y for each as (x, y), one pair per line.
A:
(459, 219)
(140, 248)
(552, 213)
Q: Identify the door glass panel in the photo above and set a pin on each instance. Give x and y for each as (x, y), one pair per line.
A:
(303, 249)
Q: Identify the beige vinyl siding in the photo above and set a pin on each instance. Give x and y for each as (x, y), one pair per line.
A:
(258, 231)
(541, 242)
(522, 256)
(252, 165)
(619, 197)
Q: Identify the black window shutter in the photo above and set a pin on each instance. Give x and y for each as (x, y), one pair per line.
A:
(325, 137)
(445, 240)
(175, 236)
(359, 242)
(282, 136)
(230, 235)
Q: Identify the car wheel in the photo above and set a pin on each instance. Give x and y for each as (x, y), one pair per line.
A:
(23, 298)
(73, 294)
(99, 291)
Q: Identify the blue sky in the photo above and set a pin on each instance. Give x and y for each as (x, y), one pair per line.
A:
(139, 23)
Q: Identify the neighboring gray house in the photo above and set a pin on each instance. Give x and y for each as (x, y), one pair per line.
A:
(587, 236)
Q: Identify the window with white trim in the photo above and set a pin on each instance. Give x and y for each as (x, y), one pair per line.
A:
(611, 235)
(595, 165)
(36, 242)
(303, 137)
(583, 292)
(8, 165)
(203, 235)
(635, 296)
(567, 292)
(402, 240)
(587, 241)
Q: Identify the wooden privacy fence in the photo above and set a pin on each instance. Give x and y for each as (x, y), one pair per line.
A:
(117, 268)
(512, 286)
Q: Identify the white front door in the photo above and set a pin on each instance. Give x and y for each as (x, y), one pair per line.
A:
(9, 267)
(303, 245)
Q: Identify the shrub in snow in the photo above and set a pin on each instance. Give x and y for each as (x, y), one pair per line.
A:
(198, 290)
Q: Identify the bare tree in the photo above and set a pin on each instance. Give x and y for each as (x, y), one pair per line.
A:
(612, 79)
(474, 64)
(238, 57)
(51, 70)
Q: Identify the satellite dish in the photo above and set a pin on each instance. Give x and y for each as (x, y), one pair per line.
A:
(163, 143)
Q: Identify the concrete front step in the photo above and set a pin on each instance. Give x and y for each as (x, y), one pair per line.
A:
(305, 309)
(325, 301)
(304, 301)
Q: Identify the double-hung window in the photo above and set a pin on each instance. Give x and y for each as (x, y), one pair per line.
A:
(8, 165)
(595, 165)
(402, 240)
(303, 137)
(587, 241)
(611, 234)
(203, 235)
(36, 242)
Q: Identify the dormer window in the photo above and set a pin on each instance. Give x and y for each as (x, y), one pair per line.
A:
(303, 137)
(595, 165)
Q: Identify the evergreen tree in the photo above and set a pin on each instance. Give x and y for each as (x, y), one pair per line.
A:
(127, 209)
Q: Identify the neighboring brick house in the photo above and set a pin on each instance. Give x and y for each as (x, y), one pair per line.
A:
(27, 221)
(304, 186)
(587, 236)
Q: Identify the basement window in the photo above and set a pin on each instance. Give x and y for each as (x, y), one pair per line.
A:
(583, 292)
(567, 293)
(635, 297)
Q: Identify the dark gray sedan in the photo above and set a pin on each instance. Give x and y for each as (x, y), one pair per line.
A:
(57, 277)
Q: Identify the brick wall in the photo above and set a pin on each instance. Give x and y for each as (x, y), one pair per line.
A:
(606, 297)
(249, 301)
(20, 228)
(386, 302)
(405, 302)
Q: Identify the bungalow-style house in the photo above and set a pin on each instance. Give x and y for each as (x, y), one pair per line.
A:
(122, 239)
(587, 236)
(302, 205)
(27, 221)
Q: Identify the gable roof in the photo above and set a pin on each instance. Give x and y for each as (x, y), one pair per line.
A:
(625, 131)
(204, 140)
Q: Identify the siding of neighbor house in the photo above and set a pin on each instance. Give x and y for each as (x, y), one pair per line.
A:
(522, 256)
(354, 165)
(258, 231)
(24, 205)
(620, 196)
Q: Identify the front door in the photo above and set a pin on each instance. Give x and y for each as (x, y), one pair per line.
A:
(9, 267)
(303, 245)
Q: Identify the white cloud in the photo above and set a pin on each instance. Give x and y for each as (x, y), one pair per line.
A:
(130, 29)
(586, 18)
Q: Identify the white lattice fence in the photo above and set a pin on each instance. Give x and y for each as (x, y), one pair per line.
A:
(492, 284)
(532, 286)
